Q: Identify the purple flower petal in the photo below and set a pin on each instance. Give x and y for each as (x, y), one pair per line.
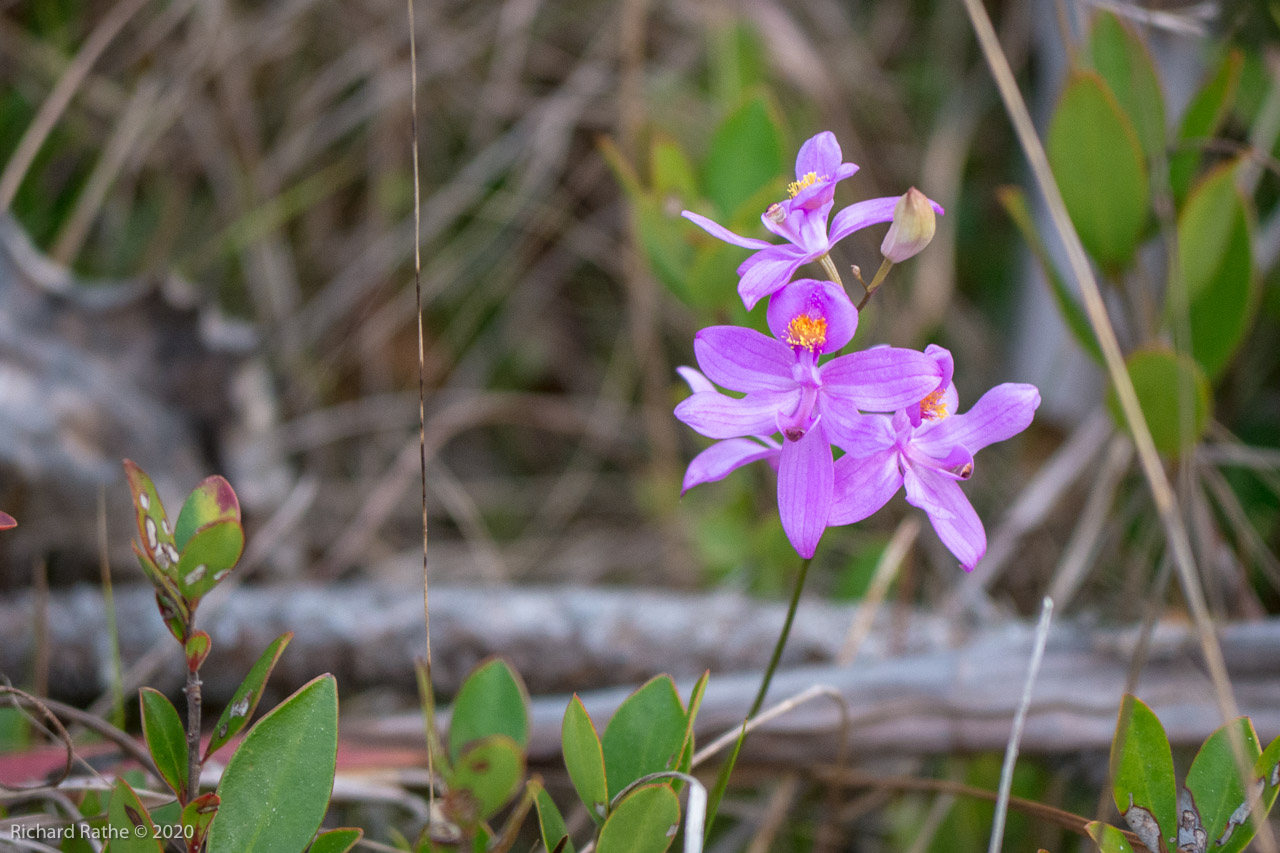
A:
(743, 359)
(955, 464)
(723, 458)
(855, 434)
(805, 483)
(803, 227)
(1001, 413)
(767, 272)
(820, 154)
(697, 382)
(863, 485)
(881, 379)
(716, 415)
(824, 299)
(870, 212)
(721, 233)
(953, 517)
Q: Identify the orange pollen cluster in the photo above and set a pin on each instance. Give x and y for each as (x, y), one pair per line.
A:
(934, 407)
(807, 181)
(808, 332)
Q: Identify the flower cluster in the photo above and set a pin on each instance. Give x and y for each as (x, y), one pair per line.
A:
(891, 411)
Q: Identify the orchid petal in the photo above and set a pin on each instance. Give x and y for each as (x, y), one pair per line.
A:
(743, 359)
(723, 458)
(824, 299)
(857, 435)
(767, 272)
(805, 486)
(882, 379)
(716, 415)
(721, 233)
(1001, 413)
(955, 464)
(819, 154)
(863, 485)
(873, 211)
(697, 382)
(950, 512)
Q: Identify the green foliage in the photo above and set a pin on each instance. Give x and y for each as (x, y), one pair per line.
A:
(1142, 780)
(1124, 62)
(645, 734)
(489, 770)
(210, 502)
(1161, 378)
(336, 840)
(166, 739)
(1203, 116)
(492, 701)
(1098, 162)
(276, 786)
(584, 759)
(132, 829)
(1108, 838)
(245, 700)
(551, 824)
(1214, 781)
(198, 816)
(644, 822)
(745, 155)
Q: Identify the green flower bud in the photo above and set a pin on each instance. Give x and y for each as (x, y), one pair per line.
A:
(914, 222)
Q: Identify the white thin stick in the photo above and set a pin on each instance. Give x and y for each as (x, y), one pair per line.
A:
(1015, 736)
(783, 707)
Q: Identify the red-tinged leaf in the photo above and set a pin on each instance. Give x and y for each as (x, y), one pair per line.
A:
(245, 700)
(197, 650)
(212, 501)
(198, 815)
(153, 525)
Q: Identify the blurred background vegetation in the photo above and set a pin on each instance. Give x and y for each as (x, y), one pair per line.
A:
(260, 151)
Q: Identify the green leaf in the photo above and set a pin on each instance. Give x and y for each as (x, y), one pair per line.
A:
(664, 240)
(1099, 166)
(551, 823)
(584, 759)
(132, 830)
(198, 816)
(1216, 256)
(166, 739)
(1214, 780)
(671, 171)
(212, 501)
(687, 748)
(1108, 838)
(1159, 378)
(738, 61)
(1014, 201)
(153, 525)
(745, 155)
(245, 700)
(492, 701)
(490, 770)
(1202, 119)
(1142, 774)
(645, 734)
(336, 840)
(197, 649)
(1124, 62)
(210, 553)
(275, 789)
(645, 822)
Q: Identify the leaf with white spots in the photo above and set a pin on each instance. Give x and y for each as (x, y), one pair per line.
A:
(210, 502)
(1240, 830)
(245, 700)
(1192, 837)
(210, 553)
(1213, 781)
(153, 525)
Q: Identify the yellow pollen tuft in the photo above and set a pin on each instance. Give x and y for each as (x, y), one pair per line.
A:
(934, 407)
(808, 332)
(807, 181)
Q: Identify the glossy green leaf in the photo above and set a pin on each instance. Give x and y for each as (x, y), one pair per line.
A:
(645, 821)
(154, 533)
(671, 171)
(1124, 62)
(1203, 117)
(132, 829)
(490, 770)
(210, 554)
(276, 786)
(1014, 201)
(1108, 838)
(245, 700)
(1098, 162)
(1215, 251)
(1142, 780)
(198, 815)
(212, 501)
(1160, 377)
(584, 759)
(1214, 780)
(688, 747)
(645, 734)
(551, 823)
(336, 840)
(166, 739)
(492, 701)
(745, 155)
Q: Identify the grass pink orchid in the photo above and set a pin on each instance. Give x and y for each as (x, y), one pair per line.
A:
(724, 457)
(787, 390)
(801, 220)
(928, 448)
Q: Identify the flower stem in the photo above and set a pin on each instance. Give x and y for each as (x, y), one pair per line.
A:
(881, 273)
(830, 267)
(782, 638)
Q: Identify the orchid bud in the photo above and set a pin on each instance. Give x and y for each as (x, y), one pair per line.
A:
(913, 225)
